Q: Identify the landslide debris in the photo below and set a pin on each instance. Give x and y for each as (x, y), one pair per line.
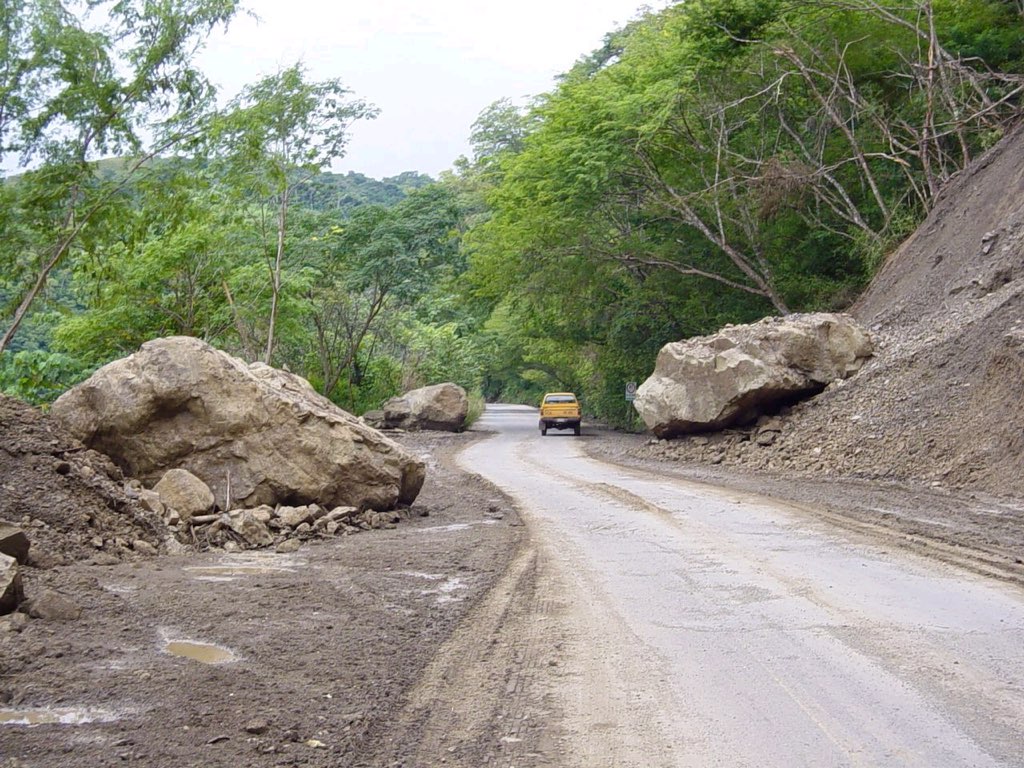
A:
(68, 499)
(254, 434)
(940, 403)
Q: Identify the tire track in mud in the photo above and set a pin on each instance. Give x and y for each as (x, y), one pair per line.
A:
(474, 704)
(540, 673)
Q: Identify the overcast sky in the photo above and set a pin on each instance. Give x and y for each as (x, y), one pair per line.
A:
(430, 66)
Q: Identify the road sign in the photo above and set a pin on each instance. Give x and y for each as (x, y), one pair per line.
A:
(631, 391)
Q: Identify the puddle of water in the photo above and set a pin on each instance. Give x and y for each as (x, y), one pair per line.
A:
(248, 564)
(32, 717)
(207, 653)
(451, 584)
(444, 528)
(456, 526)
(446, 592)
(227, 572)
(421, 575)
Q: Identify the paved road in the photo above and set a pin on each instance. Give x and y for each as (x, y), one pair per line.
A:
(718, 629)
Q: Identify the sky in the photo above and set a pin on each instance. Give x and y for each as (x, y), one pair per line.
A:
(431, 67)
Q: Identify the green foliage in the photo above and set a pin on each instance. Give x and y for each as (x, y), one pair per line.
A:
(119, 80)
(274, 137)
(37, 376)
(347, 192)
(709, 163)
(477, 404)
(717, 161)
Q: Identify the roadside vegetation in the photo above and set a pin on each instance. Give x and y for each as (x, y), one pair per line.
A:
(711, 163)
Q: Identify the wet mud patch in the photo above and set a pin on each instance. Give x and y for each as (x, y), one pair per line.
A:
(327, 642)
(204, 653)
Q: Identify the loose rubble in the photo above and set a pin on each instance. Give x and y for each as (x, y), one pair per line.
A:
(941, 402)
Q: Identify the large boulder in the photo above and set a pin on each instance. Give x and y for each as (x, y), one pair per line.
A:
(744, 371)
(441, 407)
(255, 435)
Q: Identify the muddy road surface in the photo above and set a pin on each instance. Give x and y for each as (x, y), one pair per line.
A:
(540, 608)
(673, 624)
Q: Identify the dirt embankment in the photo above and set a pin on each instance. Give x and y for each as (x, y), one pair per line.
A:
(70, 500)
(942, 402)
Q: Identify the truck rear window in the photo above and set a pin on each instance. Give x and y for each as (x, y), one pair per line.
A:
(559, 399)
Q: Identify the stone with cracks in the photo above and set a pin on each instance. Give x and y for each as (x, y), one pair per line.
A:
(185, 493)
(441, 407)
(251, 432)
(744, 371)
(11, 593)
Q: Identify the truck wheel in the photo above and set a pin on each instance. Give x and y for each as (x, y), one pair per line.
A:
(543, 430)
(576, 430)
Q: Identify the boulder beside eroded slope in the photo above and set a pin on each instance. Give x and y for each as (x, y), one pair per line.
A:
(744, 371)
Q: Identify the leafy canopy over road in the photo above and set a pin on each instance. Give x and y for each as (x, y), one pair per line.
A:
(710, 163)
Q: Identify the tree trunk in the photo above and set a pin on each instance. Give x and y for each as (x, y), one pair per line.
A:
(275, 278)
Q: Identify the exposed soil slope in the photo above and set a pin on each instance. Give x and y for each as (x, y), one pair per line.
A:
(70, 500)
(941, 402)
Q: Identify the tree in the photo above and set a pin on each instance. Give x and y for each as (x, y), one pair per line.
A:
(71, 92)
(164, 274)
(273, 138)
(381, 261)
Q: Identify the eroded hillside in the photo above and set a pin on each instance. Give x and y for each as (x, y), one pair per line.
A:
(941, 402)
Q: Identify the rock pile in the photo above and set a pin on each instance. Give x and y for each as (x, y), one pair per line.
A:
(188, 508)
(270, 448)
(282, 528)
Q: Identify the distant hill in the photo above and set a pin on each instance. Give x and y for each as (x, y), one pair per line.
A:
(325, 192)
(331, 191)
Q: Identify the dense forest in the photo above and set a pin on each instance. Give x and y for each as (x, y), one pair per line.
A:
(713, 162)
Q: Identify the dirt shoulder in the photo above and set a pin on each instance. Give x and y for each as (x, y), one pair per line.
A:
(326, 643)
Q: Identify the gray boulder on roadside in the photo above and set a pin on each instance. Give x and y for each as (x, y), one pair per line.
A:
(254, 434)
(743, 371)
(185, 493)
(440, 407)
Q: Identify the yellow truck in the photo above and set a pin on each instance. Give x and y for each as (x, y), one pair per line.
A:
(559, 410)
